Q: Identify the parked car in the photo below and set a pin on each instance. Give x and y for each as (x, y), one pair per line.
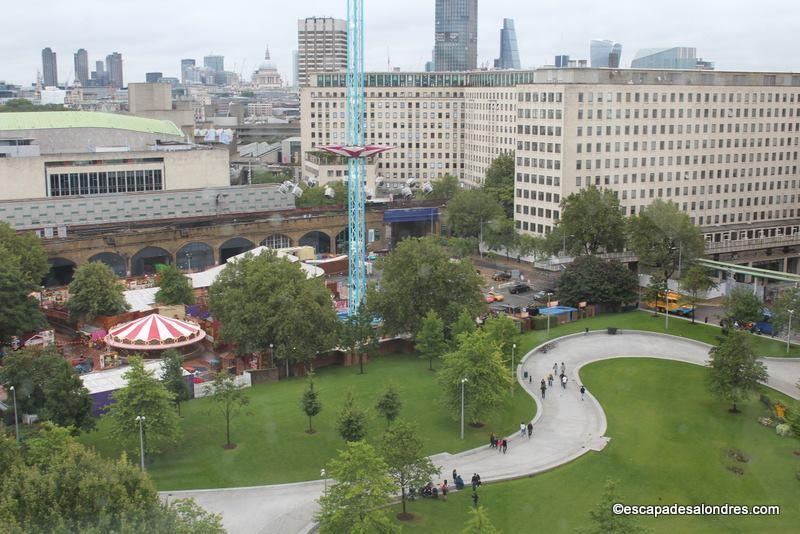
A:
(501, 276)
(540, 296)
(498, 297)
(519, 288)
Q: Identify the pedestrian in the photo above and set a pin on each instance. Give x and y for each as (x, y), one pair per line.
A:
(563, 368)
(530, 379)
(586, 331)
(455, 475)
(474, 481)
(478, 478)
(500, 445)
(522, 430)
(550, 380)
(564, 381)
(505, 445)
(530, 430)
(444, 490)
(492, 441)
(555, 368)
(583, 392)
(544, 388)
(706, 319)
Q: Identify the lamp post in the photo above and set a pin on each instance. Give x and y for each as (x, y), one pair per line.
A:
(564, 244)
(271, 356)
(16, 415)
(463, 381)
(324, 480)
(788, 335)
(666, 304)
(513, 349)
(480, 240)
(140, 419)
(549, 294)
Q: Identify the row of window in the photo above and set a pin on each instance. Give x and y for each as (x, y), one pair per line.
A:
(591, 114)
(720, 188)
(103, 183)
(705, 144)
(678, 129)
(690, 97)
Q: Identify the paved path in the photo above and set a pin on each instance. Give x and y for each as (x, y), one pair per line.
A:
(564, 428)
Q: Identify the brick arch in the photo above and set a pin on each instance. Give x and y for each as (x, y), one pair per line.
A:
(195, 256)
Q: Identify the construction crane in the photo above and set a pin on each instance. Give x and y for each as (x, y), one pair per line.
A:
(356, 153)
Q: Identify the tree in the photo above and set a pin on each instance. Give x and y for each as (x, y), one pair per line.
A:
(595, 280)
(357, 335)
(530, 245)
(499, 182)
(461, 247)
(95, 291)
(19, 312)
(663, 237)
(694, 282)
(735, 369)
(143, 395)
(301, 318)
(445, 187)
(173, 287)
(402, 451)
(351, 423)
(479, 523)
(27, 249)
(17, 105)
(229, 399)
(477, 359)
(465, 324)
(655, 291)
(592, 221)
(742, 306)
(48, 386)
(604, 520)
(788, 300)
(468, 209)
(173, 379)
(389, 404)
(503, 331)
(418, 276)
(357, 501)
(501, 234)
(310, 402)
(430, 342)
(55, 484)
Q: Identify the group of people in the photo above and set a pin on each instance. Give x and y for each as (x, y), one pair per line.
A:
(435, 490)
(501, 444)
(523, 429)
(562, 378)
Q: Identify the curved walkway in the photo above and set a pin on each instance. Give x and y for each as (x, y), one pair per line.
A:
(564, 428)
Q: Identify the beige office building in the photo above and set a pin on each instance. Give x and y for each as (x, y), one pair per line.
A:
(321, 45)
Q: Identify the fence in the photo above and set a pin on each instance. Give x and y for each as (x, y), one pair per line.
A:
(207, 388)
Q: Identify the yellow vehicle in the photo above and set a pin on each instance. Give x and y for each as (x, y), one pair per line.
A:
(671, 302)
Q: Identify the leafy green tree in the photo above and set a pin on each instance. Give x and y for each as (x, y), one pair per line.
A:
(402, 451)
(499, 182)
(358, 336)
(501, 234)
(663, 237)
(57, 485)
(19, 313)
(461, 247)
(604, 520)
(430, 342)
(143, 395)
(468, 209)
(445, 187)
(351, 423)
(465, 324)
(479, 523)
(310, 402)
(47, 385)
(504, 332)
(17, 105)
(173, 287)
(389, 404)
(735, 369)
(173, 378)
(528, 245)
(655, 291)
(357, 501)
(742, 306)
(591, 221)
(229, 398)
(595, 280)
(95, 291)
(418, 276)
(477, 359)
(694, 282)
(315, 196)
(788, 300)
(27, 249)
(301, 319)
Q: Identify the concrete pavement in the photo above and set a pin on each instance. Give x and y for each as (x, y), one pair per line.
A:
(564, 428)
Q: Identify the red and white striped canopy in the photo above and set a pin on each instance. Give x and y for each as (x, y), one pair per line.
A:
(355, 151)
(154, 332)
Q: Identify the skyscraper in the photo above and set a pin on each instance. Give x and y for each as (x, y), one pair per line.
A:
(153, 77)
(49, 68)
(82, 67)
(185, 64)
(679, 57)
(614, 56)
(604, 53)
(215, 63)
(321, 45)
(114, 70)
(456, 45)
(509, 50)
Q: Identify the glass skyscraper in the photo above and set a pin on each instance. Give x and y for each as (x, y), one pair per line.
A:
(679, 57)
(456, 46)
(509, 50)
(604, 53)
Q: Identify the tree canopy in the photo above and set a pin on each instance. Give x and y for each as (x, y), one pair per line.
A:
(499, 182)
(468, 208)
(358, 336)
(735, 369)
(351, 422)
(94, 291)
(742, 306)
(430, 342)
(604, 520)
(418, 276)
(173, 378)
(173, 287)
(27, 249)
(504, 332)
(389, 404)
(788, 300)
(402, 450)
(445, 187)
(694, 282)
(310, 402)
(479, 522)
(19, 312)
(591, 222)
(229, 398)
(597, 281)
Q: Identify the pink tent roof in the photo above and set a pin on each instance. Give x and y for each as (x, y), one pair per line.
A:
(154, 332)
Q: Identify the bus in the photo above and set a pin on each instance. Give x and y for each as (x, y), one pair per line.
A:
(673, 303)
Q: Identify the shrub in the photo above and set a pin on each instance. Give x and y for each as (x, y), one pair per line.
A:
(767, 421)
(783, 430)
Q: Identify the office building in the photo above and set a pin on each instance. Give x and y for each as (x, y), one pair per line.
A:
(153, 77)
(99, 76)
(562, 61)
(509, 50)
(678, 57)
(604, 54)
(456, 38)
(322, 46)
(114, 70)
(185, 64)
(215, 63)
(615, 56)
(49, 68)
(295, 74)
(82, 67)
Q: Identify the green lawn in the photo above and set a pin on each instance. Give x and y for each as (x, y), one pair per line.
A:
(273, 446)
(641, 320)
(669, 445)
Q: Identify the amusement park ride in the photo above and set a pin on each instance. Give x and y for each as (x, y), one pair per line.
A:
(356, 153)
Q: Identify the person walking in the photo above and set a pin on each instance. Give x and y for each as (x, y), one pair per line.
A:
(444, 490)
(492, 441)
(505, 445)
(455, 475)
(563, 368)
(550, 380)
(583, 392)
(564, 381)
(474, 481)
(522, 430)
(500, 445)
(555, 368)
(530, 429)
(543, 388)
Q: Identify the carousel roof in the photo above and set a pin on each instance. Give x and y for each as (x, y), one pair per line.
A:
(154, 332)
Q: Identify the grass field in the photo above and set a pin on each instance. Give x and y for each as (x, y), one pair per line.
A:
(273, 446)
(669, 444)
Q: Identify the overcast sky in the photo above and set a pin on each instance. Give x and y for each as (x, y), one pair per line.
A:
(153, 35)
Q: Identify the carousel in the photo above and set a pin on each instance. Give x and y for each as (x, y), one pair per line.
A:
(154, 332)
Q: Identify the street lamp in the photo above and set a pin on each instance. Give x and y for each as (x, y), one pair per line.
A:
(271, 356)
(788, 334)
(16, 415)
(325, 480)
(549, 294)
(513, 349)
(463, 381)
(140, 419)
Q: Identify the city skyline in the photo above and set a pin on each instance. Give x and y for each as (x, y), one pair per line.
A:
(402, 38)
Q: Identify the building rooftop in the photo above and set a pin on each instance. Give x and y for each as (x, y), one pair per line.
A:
(44, 120)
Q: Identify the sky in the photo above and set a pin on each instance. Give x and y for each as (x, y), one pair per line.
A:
(153, 35)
